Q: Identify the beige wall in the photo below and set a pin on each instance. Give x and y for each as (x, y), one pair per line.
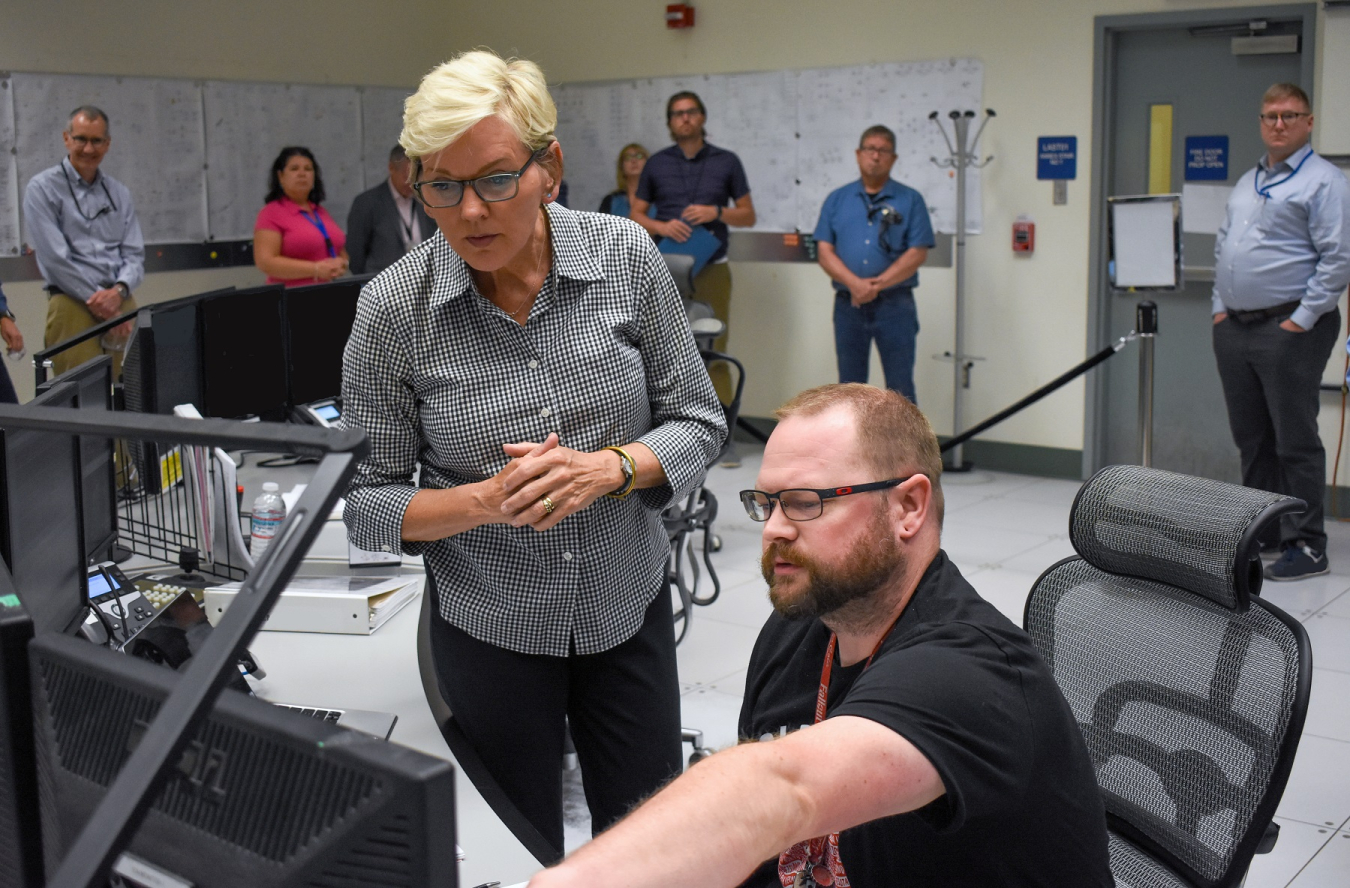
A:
(1027, 315)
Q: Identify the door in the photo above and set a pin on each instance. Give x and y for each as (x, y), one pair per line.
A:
(1185, 61)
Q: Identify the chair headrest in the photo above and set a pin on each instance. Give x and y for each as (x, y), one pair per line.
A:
(1193, 533)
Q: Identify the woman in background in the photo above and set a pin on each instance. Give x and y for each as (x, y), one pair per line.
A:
(295, 241)
(632, 159)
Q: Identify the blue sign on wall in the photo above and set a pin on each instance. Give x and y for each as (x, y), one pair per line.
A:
(1057, 157)
(1206, 158)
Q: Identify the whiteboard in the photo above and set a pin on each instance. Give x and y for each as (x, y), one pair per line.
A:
(794, 131)
(157, 146)
(381, 124)
(247, 124)
(9, 176)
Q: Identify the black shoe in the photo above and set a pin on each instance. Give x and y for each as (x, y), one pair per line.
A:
(1297, 563)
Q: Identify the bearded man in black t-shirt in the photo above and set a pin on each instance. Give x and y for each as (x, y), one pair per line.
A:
(910, 734)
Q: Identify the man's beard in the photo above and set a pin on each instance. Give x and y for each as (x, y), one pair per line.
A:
(821, 590)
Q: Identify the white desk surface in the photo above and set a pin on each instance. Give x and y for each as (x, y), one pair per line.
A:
(380, 672)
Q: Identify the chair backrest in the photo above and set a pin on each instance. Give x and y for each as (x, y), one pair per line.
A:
(681, 267)
(470, 763)
(1190, 691)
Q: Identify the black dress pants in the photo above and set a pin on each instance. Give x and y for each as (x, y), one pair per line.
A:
(1270, 384)
(623, 707)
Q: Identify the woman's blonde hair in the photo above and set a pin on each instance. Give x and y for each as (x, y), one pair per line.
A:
(620, 177)
(471, 87)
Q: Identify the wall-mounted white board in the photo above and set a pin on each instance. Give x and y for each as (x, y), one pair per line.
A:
(794, 131)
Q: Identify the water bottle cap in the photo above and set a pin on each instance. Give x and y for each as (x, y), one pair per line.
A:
(270, 486)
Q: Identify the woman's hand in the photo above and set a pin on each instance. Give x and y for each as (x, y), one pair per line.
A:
(328, 269)
(570, 480)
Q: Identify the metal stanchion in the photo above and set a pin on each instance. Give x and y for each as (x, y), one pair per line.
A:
(1146, 326)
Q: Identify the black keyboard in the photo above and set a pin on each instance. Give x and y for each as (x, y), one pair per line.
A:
(327, 715)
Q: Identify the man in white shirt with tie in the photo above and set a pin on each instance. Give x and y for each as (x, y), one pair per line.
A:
(386, 221)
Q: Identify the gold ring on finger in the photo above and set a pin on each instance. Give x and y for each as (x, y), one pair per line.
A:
(548, 505)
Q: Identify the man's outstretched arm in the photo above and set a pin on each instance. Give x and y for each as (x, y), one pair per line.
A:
(722, 818)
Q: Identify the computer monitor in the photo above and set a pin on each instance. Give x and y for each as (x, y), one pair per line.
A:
(41, 524)
(163, 365)
(261, 796)
(243, 354)
(21, 859)
(98, 473)
(318, 323)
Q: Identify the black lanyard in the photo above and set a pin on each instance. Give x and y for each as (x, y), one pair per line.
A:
(111, 208)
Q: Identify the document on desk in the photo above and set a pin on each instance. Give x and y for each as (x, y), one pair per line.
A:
(343, 605)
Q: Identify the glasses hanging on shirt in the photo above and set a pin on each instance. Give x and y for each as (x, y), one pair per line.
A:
(110, 208)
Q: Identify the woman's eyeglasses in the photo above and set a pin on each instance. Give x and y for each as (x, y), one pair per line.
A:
(442, 193)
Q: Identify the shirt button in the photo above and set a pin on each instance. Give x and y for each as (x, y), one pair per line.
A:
(386, 549)
(533, 365)
(567, 556)
(868, 242)
(545, 412)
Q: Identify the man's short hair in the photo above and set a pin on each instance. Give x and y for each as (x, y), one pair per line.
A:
(685, 94)
(895, 437)
(397, 154)
(89, 112)
(1281, 91)
(877, 130)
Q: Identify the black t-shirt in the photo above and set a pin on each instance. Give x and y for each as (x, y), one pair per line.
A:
(963, 684)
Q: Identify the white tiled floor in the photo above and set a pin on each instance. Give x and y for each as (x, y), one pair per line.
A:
(1003, 530)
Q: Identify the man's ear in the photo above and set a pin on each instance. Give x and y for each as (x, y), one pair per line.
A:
(910, 502)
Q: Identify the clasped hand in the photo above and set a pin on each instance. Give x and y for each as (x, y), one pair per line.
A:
(570, 479)
(864, 290)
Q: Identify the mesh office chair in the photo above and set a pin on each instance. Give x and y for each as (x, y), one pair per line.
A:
(1190, 691)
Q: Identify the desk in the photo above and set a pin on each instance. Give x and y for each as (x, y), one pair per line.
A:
(379, 671)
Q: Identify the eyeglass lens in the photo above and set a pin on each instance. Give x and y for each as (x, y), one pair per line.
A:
(799, 505)
(1286, 116)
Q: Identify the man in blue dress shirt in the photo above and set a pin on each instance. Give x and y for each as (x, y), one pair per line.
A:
(82, 225)
(872, 236)
(1282, 260)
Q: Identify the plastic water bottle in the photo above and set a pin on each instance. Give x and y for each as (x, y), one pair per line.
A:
(269, 510)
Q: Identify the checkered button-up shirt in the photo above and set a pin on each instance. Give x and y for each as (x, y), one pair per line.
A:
(439, 376)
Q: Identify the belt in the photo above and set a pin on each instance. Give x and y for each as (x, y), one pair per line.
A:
(1263, 314)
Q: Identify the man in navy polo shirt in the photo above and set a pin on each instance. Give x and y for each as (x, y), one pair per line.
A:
(872, 237)
(693, 183)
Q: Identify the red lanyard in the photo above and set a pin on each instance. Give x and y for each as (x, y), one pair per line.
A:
(823, 694)
(816, 861)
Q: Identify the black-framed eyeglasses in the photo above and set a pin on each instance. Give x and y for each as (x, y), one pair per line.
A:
(92, 141)
(492, 188)
(805, 503)
(1274, 117)
(685, 112)
(872, 149)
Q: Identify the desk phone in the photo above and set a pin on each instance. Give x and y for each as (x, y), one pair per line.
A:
(324, 413)
(126, 608)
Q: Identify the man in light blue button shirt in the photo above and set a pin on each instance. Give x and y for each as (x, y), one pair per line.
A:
(1282, 261)
(82, 225)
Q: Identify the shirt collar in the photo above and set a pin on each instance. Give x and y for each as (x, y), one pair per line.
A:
(1292, 161)
(571, 259)
(890, 189)
(73, 176)
(398, 198)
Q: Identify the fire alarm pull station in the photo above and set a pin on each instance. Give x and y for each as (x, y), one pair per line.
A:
(679, 15)
(1024, 235)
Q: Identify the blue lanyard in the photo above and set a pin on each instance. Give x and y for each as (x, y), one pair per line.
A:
(1265, 192)
(317, 222)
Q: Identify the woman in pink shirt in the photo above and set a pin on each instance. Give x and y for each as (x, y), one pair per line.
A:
(295, 241)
